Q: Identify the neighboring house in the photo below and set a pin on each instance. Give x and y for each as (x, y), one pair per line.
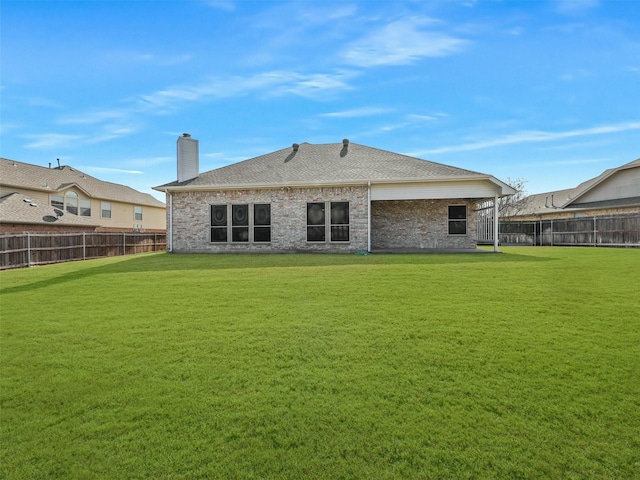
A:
(615, 191)
(340, 197)
(37, 199)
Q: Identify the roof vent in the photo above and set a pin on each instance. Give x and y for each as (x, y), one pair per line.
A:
(186, 135)
(345, 148)
(295, 147)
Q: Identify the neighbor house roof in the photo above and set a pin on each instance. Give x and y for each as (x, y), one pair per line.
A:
(52, 180)
(326, 164)
(19, 208)
(569, 199)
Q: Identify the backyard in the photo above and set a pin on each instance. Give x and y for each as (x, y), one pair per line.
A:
(524, 364)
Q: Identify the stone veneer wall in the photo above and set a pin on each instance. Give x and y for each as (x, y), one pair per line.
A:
(192, 221)
(397, 224)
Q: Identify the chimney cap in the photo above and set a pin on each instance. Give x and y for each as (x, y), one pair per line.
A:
(186, 135)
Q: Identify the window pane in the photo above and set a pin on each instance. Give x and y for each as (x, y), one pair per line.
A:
(57, 201)
(240, 234)
(219, 234)
(457, 212)
(315, 234)
(262, 234)
(219, 216)
(457, 227)
(72, 205)
(340, 233)
(262, 214)
(239, 215)
(340, 213)
(315, 214)
(105, 208)
(85, 208)
(137, 213)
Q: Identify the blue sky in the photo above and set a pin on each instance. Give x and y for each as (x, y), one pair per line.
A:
(547, 91)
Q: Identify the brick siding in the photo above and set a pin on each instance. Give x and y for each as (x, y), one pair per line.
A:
(397, 224)
(394, 224)
(192, 221)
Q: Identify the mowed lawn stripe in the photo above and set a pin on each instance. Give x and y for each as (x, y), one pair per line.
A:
(517, 365)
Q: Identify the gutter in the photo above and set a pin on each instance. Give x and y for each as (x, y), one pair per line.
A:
(258, 186)
(170, 232)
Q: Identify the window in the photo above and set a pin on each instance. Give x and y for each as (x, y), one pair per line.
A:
(340, 221)
(105, 208)
(239, 223)
(71, 203)
(457, 220)
(243, 220)
(218, 223)
(137, 213)
(317, 221)
(85, 208)
(262, 222)
(71, 199)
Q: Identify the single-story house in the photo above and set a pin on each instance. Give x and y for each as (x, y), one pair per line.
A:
(338, 197)
(615, 191)
(64, 199)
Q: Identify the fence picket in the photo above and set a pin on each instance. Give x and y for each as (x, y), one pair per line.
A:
(24, 250)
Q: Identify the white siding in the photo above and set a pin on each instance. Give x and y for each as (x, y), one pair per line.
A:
(622, 184)
(434, 190)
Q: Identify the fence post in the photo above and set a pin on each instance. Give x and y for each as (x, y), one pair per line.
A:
(124, 243)
(551, 242)
(595, 231)
(28, 249)
(84, 245)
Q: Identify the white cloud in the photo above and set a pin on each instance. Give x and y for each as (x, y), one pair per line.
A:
(53, 140)
(357, 112)
(402, 42)
(109, 170)
(91, 118)
(574, 6)
(534, 136)
(274, 83)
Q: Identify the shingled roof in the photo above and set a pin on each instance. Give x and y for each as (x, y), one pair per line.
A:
(569, 199)
(18, 208)
(34, 177)
(325, 164)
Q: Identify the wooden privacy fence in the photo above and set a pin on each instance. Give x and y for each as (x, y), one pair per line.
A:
(27, 249)
(596, 231)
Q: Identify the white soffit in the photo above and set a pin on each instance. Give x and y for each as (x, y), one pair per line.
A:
(433, 190)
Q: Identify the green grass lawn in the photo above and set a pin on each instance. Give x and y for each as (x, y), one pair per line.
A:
(524, 364)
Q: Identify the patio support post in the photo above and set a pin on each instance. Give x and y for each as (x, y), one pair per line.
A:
(495, 223)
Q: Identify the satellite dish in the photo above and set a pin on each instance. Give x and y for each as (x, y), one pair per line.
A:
(58, 212)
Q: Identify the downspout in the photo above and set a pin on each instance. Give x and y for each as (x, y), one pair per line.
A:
(495, 223)
(369, 217)
(170, 236)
